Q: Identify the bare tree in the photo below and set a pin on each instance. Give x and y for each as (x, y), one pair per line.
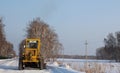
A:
(50, 45)
(6, 48)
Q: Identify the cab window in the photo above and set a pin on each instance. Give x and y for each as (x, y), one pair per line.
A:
(32, 44)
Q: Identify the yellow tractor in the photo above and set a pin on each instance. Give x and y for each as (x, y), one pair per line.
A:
(31, 55)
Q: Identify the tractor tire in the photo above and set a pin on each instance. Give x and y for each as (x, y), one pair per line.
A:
(44, 65)
(41, 65)
(20, 65)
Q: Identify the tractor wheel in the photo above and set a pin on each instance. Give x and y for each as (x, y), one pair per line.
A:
(20, 65)
(44, 65)
(40, 65)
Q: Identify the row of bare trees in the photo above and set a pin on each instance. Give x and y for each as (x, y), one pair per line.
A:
(6, 48)
(111, 50)
(50, 45)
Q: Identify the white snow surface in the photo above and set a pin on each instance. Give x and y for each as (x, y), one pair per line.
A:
(107, 66)
(11, 66)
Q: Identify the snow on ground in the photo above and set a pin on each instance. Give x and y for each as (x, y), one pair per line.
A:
(11, 66)
(63, 66)
(106, 66)
(57, 68)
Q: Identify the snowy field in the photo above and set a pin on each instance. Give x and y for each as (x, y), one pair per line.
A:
(11, 66)
(93, 66)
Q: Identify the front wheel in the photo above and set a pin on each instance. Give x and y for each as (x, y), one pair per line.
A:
(42, 65)
(20, 65)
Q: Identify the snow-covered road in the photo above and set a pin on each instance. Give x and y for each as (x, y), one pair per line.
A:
(11, 66)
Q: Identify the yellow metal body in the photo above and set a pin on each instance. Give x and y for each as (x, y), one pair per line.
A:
(32, 54)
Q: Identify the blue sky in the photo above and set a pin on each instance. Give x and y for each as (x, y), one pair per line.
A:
(74, 20)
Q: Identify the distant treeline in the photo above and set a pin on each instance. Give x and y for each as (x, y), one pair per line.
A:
(81, 57)
(111, 48)
(77, 57)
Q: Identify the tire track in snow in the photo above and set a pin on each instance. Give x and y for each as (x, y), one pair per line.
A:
(9, 64)
(54, 69)
(2, 62)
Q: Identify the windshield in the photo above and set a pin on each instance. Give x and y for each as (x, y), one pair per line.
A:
(32, 44)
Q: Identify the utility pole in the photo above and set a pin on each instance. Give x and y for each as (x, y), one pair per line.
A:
(63, 55)
(86, 44)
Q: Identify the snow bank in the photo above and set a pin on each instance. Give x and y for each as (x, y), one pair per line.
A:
(55, 63)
